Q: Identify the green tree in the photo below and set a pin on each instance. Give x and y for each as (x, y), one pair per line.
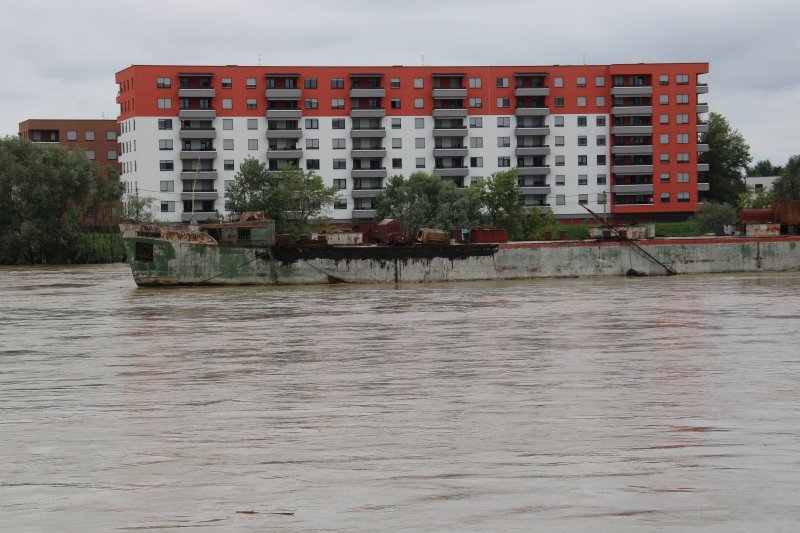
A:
(787, 186)
(42, 193)
(255, 188)
(140, 208)
(501, 199)
(711, 213)
(309, 196)
(727, 157)
(756, 199)
(764, 168)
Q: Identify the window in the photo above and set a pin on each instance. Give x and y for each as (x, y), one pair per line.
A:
(227, 144)
(663, 138)
(683, 157)
(167, 186)
(73, 135)
(503, 162)
(476, 162)
(503, 122)
(397, 163)
(337, 123)
(582, 120)
(664, 177)
(312, 144)
(582, 140)
(502, 82)
(475, 83)
(418, 83)
(682, 119)
(229, 164)
(227, 103)
(683, 177)
(664, 197)
(419, 142)
(167, 206)
(583, 160)
(227, 123)
(310, 83)
(682, 138)
(682, 99)
(475, 122)
(227, 83)
(396, 123)
(337, 103)
(395, 103)
(165, 144)
(312, 123)
(503, 142)
(560, 199)
(340, 184)
(681, 79)
(419, 103)
(419, 162)
(558, 101)
(419, 123)
(339, 144)
(600, 101)
(503, 102)
(664, 158)
(476, 102)
(397, 142)
(663, 99)
(601, 198)
(558, 82)
(250, 83)
(663, 119)
(166, 165)
(163, 124)
(163, 83)
(583, 199)
(394, 83)
(559, 160)
(583, 179)
(251, 103)
(111, 154)
(600, 140)
(311, 103)
(88, 135)
(339, 164)
(600, 121)
(476, 142)
(663, 79)
(683, 196)
(252, 123)
(581, 81)
(601, 179)
(560, 179)
(111, 135)
(599, 81)
(559, 140)
(601, 159)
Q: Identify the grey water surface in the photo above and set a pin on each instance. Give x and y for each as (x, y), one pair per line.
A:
(606, 404)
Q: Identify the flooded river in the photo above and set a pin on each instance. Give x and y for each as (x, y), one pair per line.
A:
(606, 404)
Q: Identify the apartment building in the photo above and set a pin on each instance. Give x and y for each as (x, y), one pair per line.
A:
(618, 139)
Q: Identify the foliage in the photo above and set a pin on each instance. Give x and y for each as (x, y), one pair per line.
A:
(764, 168)
(533, 225)
(787, 186)
(727, 158)
(308, 196)
(501, 199)
(42, 194)
(140, 208)
(756, 199)
(711, 213)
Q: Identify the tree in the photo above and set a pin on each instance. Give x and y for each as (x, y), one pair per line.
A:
(140, 208)
(255, 188)
(712, 213)
(764, 168)
(42, 194)
(787, 186)
(309, 196)
(501, 199)
(727, 157)
(756, 199)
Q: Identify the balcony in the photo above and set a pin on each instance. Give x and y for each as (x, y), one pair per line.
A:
(632, 190)
(199, 195)
(632, 130)
(363, 213)
(368, 173)
(624, 111)
(367, 93)
(632, 149)
(450, 132)
(284, 134)
(533, 171)
(702, 108)
(702, 147)
(198, 134)
(284, 153)
(455, 112)
(639, 90)
(198, 174)
(279, 114)
(544, 189)
(532, 111)
(282, 94)
(367, 113)
(524, 132)
(703, 187)
(450, 152)
(532, 150)
(196, 93)
(702, 128)
(702, 88)
(366, 193)
(207, 114)
(449, 93)
(532, 91)
(198, 154)
(371, 153)
(199, 216)
(627, 170)
(702, 167)
(368, 133)
(451, 172)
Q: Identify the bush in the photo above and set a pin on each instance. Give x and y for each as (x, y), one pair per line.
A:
(711, 214)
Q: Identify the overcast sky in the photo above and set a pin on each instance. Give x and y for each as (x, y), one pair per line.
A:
(58, 58)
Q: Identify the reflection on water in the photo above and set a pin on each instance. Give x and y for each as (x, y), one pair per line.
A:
(604, 404)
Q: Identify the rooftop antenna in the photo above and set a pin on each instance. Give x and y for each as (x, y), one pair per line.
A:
(259, 60)
(422, 59)
(584, 58)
